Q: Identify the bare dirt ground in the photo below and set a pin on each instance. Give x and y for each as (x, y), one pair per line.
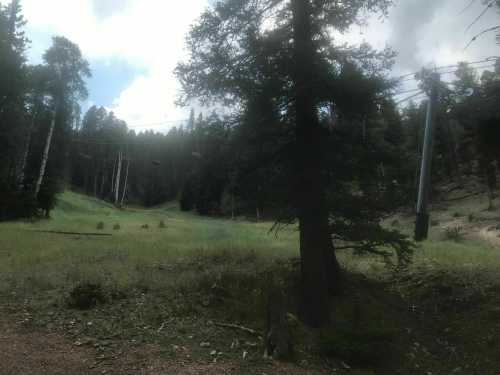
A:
(28, 352)
(39, 353)
(491, 235)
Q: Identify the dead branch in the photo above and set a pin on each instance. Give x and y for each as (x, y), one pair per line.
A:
(238, 327)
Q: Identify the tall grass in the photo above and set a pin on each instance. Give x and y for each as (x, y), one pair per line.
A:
(31, 260)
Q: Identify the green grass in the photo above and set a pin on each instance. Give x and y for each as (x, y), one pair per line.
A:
(31, 260)
(194, 268)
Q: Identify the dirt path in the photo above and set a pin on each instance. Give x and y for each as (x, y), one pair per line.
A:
(26, 352)
(485, 232)
(37, 353)
(490, 235)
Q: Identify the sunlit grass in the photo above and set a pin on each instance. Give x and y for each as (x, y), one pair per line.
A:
(31, 260)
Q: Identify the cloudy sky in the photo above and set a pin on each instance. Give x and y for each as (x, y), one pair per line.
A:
(134, 45)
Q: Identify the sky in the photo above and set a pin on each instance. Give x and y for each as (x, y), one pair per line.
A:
(133, 46)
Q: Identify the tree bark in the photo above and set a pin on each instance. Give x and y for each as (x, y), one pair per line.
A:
(232, 206)
(118, 176)
(45, 155)
(491, 181)
(126, 182)
(320, 271)
(96, 176)
(103, 180)
(24, 161)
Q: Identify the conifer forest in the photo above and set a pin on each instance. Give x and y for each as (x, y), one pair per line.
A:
(250, 187)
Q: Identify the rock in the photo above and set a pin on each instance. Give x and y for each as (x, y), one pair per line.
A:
(235, 344)
(345, 365)
(213, 352)
(205, 344)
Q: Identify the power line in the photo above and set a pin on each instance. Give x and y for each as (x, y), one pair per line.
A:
(411, 75)
(481, 33)
(155, 124)
(409, 97)
(490, 4)
(455, 71)
(467, 7)
(406, 91)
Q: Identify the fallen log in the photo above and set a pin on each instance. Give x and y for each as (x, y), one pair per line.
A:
(72, 233)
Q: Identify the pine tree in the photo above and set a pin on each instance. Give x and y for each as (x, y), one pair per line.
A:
(297, 71)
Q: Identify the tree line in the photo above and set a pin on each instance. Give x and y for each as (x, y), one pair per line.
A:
(39, 107)
(315, 135)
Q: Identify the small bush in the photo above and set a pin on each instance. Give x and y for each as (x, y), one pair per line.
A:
(364, 345)
(86, 296)
(116, 227)
(162, 225)
(145, 226)
(457, 214)
(454, 234)
(100, 225)
(470, 218)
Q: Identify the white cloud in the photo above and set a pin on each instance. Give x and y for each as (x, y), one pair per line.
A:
(148, 34)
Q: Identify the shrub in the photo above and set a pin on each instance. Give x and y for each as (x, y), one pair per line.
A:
(15, 205)
(457, 214)
(116, 227)
(47, 196)
(454, 234)
(365, 345)
(145, 226)
(470, 218)
(188, 195)
(162, 225)
(100, 225)
(86, 296)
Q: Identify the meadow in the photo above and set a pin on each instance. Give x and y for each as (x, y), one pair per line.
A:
(164, 275)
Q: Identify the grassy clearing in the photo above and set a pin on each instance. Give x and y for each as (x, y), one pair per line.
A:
(168, 283)
(31, 260)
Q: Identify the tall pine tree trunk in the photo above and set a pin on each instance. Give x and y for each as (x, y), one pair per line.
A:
(319, 267)
(126, 183)
(24, 160)
(118, 176)
(101, 192)
(45, 155)
(96, 176)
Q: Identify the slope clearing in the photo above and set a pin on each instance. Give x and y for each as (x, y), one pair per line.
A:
(162, 290)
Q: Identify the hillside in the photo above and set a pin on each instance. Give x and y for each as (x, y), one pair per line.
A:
(162, 291)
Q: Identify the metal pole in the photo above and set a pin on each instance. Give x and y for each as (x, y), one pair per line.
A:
(422, 222)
